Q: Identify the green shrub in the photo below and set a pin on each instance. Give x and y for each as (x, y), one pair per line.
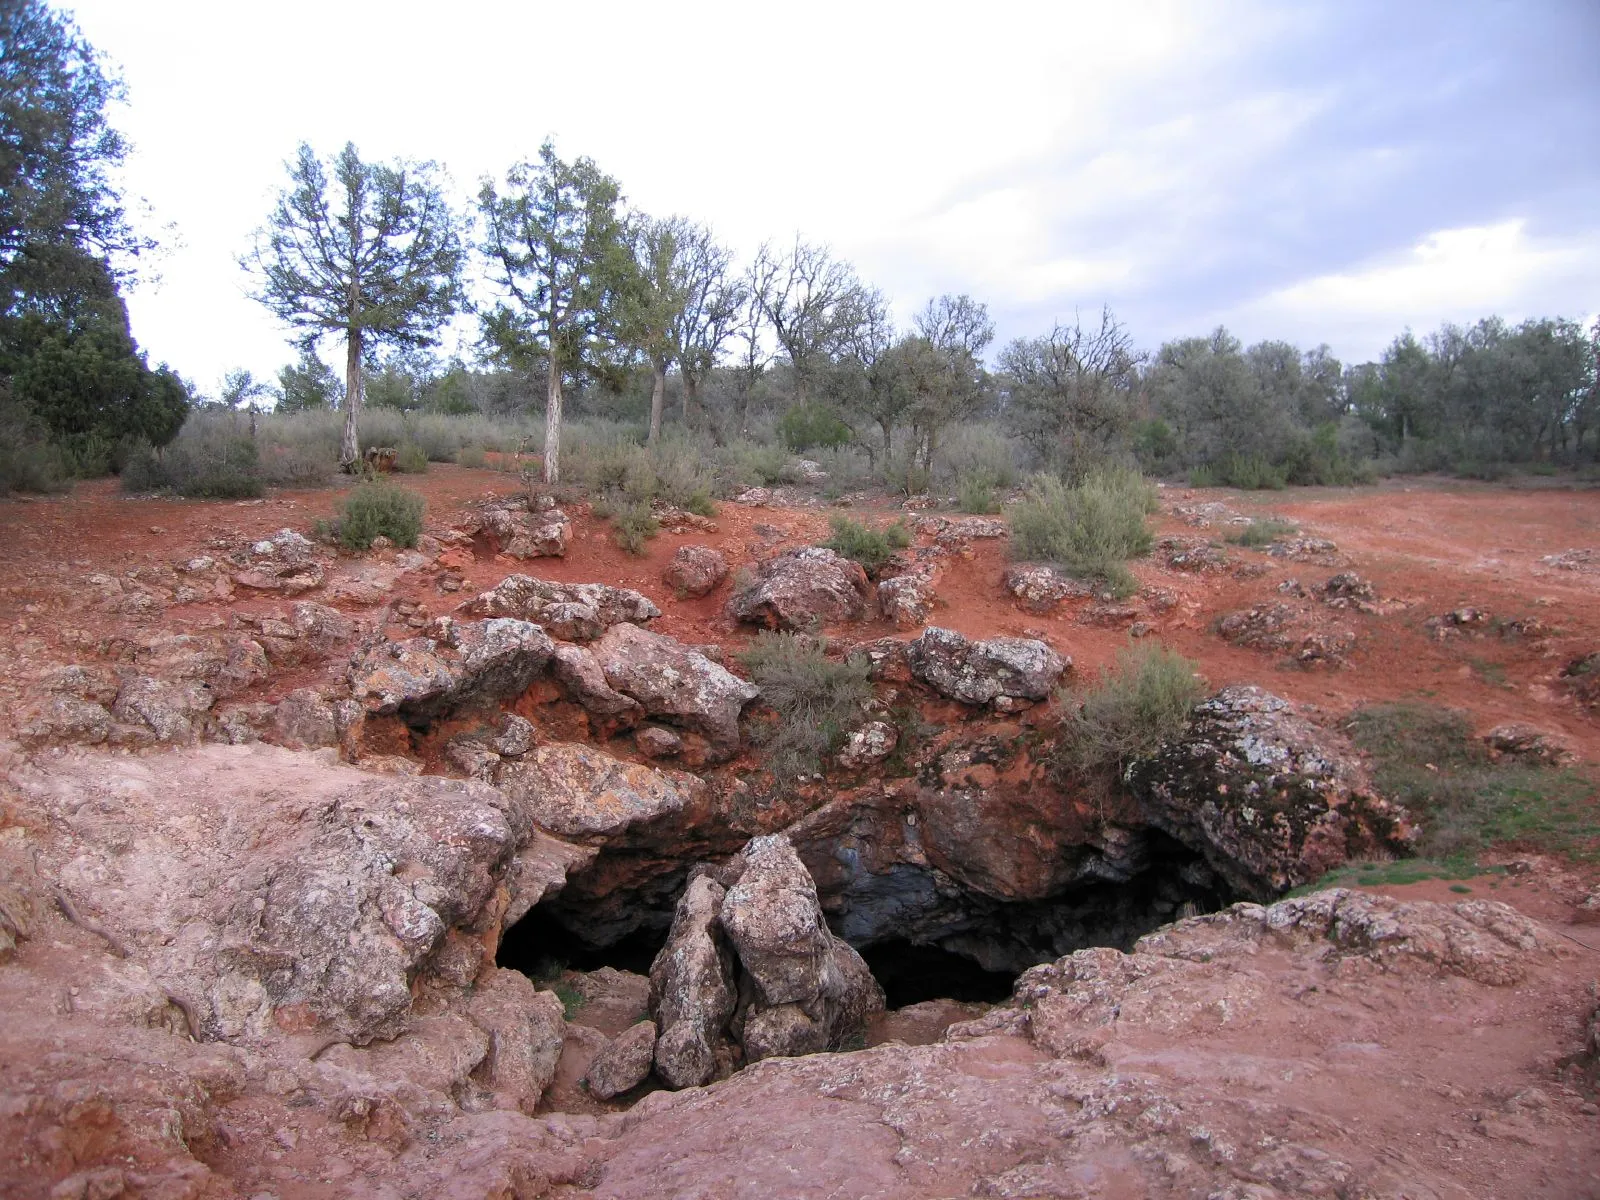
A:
(808, 425)
(29, 462)
(411, 459)
(1251, 472)
(817, 698)
(211, 463)
(1426, 758)
(976, 450)
(471, 456)
(872, 548)
(1263, 532)
(1090, 530)
(291, 465)
(632, 525)
(975, 492)
(380, 509)
(1141, 702)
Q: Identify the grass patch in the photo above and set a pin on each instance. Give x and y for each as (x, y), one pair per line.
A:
(816, 698)
(1397, 873)
(1426, 758)
(1263, 532)
(872, 548)
(1089, 530)
(380, 509)
(1141, 702)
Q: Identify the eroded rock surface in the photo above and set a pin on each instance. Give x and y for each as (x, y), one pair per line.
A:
(695, 570)
(802, 590)
(1269, 799)
(574, 612)
(673, 682)
(985, 671)
(460, 663)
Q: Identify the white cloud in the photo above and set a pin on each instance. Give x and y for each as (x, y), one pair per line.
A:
(1451, 275)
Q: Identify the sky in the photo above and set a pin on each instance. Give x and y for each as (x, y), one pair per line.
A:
(1320, 172)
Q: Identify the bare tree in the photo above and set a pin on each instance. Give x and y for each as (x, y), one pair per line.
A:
(806, 296)
(956, 323)
(713, 300)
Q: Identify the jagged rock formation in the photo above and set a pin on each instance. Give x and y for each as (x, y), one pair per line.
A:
(695, 570)
(802, 590)
(574, 612)
(996, 670)
(460, 663)
(1269, 799)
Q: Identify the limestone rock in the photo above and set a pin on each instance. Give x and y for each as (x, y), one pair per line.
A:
(624, 1062)
(655, 741)
(171, 711)
(1526, 743)
(571, 611)
(985, 671)
(671, 681)
(1269, 799)
(907, 600)
(801, 590)
(869, 745)
(580, 675)
(695, 570)
(525, 1028)
(303, 720)
(691, 988)
(426, 677)
(577, 791)
(1039, 588)
(515, 531)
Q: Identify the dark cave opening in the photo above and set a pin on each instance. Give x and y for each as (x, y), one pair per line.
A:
(540, 945)
(910, 974)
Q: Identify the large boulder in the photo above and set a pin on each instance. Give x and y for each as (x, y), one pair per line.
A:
(809, 990)
(584, 794)
(985, 672)
(1268, 798)
(802, 590)
(691, 988)
(515, 531)
(461, 662)
(574, 612)
(673, 682)
(695, 570)
(908, 599)
(583, 679)
(624, 1061)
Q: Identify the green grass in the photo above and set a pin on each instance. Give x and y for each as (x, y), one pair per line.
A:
(1397, 873)
(1141, 702)
(817, 698)
(1426, 758)
(1263, 532)
(1089, 530)
(872, 548)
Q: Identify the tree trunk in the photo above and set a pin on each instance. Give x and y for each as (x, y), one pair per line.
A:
(658, 398)
(350, 446)
(690, 387)
(552, 425)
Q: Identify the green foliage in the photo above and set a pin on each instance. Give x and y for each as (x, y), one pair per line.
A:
(1395, 873)
(1263, 532)
(214, 463)
(631, 522)
(411, 459)
(1089, 530)
(976, 451)
(380, 509)
(1141, 702)
(817, 698)
(471, 456)
(975, 492)
(1250, 472)
(872, 548)
(29, 461)
(1426, 758)
(806, 426)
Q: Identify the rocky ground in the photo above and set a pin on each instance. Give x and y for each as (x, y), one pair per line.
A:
(272, 814)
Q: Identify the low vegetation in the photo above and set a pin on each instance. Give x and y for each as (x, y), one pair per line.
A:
(816, 698)
(1143, 700)
(1425, 757)
(1263, 532)
(380, 509)
(861, 543)
(1089, 530)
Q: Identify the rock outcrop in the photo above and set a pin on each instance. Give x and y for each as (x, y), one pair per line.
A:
(573, 612)
(1269, 799)
(695, 570)
(585, 795)
(691, 988)
(802, 590)
(674, 683)
(460, 662)
(991, 671)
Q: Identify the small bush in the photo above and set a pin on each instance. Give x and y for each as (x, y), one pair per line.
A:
(381, 509)
(872, 548)
(29, 462)
(211, 464)
(632, 525)
(471, 456)
(1263, 532)
(817, 698)
(1251, 472)
(1141, 702)
(1089, 530)
(1426, 758)
(411, 459)
(297, 466)
(976, 450)
(975, 493)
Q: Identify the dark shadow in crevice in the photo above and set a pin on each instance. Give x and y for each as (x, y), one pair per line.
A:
(539, 946)
(910, 974)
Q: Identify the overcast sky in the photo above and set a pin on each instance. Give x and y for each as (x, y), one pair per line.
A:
(1319, 172)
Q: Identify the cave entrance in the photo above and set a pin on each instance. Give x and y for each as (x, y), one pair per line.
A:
(541, 946)
(910, 974)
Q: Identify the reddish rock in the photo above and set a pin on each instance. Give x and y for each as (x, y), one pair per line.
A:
(801, 590)
(695, 570)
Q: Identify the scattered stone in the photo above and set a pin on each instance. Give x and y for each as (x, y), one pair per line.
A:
(1582, 678)
(673, 519)
(869, 745)
(908, 600)
(1269, 799)
(624, 1062)
(1191, 554)
(1349, 590)
(807, 471)
(1526, 743)
(1263, 627)
(171, 710)
(583, 679)
(980, 672)
(515, 531)
(1326, 648)
(581, 793)
(691, 987)
(695, 570)
(571, 611)
(1040, 589)
(802, 590)
(654, 741)
(245, 667)
(303, 720)
(1317, 551)
(426, 677)
(1587, 560)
